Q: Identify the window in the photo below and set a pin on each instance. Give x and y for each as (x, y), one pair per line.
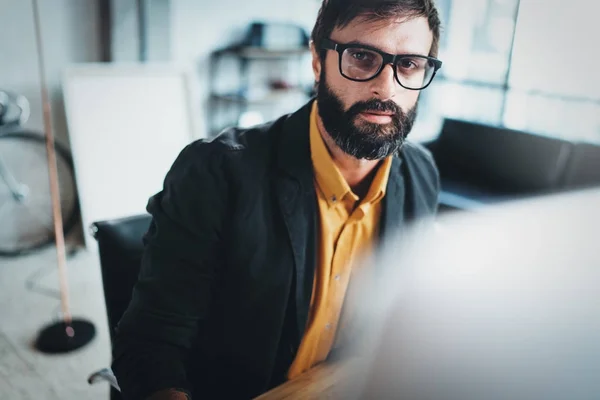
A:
(520, 64)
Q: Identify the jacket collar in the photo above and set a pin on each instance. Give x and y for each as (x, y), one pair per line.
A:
(294, 147)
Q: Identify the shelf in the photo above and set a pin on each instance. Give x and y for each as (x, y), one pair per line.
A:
(269, 97)
(258, 53)
(274, 96)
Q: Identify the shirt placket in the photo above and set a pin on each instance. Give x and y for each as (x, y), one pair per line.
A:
(339, 278)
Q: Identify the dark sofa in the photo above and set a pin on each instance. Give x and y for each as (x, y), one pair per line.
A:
(481, 164)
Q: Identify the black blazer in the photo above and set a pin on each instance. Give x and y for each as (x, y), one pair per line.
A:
(223, 294)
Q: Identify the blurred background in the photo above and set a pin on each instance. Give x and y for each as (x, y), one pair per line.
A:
(514, 113)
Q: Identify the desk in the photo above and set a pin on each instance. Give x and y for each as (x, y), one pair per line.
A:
(325, 381)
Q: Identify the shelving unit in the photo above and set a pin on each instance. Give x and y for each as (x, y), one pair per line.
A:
(228, 107)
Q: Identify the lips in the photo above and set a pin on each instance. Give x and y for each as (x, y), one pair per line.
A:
(382, 113)
(377, 117)
(375, 112)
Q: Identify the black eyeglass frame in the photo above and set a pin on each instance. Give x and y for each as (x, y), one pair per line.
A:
(393, 59)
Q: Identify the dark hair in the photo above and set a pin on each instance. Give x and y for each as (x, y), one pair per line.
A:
(339, 13)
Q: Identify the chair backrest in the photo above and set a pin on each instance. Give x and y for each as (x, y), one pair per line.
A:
(121, 248)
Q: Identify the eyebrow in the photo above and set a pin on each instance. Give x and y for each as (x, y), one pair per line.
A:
(358, 43)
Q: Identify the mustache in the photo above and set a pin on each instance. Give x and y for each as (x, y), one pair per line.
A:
(374, 105)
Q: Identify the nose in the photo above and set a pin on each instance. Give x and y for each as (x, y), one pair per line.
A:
(384, 85)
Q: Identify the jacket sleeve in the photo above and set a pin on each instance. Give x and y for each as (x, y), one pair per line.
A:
(173, 292)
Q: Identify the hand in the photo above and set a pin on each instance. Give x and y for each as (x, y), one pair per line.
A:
(169, 394)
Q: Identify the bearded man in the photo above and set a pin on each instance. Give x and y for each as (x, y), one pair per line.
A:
(250, 252)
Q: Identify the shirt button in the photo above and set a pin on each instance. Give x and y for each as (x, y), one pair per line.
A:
(333, 198)
(337, 277)
(328, 326)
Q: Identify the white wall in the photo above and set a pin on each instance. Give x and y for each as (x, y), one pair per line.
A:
(199, 27)
(556, 53)
(556, 48)
(158, 15)
(70, 34)
(125, 41)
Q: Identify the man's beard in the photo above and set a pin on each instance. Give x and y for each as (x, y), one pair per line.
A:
(365, 140)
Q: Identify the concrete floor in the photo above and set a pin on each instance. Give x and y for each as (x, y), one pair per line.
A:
(26, 373)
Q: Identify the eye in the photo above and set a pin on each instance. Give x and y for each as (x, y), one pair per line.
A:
(360, 55)
(360, 59)
(407, 63)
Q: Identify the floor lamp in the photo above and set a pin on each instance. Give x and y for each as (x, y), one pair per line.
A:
(68, 334)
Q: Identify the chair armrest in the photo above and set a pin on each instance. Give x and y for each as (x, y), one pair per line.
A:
(105, 375)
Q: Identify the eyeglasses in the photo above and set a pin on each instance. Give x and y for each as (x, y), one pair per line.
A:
(362, 63)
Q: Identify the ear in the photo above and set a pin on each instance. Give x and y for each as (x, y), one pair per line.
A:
(316, 62)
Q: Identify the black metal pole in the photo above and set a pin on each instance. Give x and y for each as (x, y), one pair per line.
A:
(142, 36)
(104, 11)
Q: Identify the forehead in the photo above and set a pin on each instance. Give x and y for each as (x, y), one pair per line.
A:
(395, 36)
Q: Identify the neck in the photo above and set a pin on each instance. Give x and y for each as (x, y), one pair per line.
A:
(357, 173)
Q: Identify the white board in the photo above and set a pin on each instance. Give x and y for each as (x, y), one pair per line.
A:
(127, 124)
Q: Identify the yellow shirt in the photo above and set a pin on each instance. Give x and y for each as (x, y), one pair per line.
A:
(348, 228)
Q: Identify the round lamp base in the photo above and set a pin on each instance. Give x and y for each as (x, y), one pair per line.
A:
(61, 337)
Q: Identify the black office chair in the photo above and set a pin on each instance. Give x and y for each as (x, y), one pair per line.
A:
(120, 249)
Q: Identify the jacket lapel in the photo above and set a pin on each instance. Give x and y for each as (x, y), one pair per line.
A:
(297, 201)
(393, 209)
(404, 202)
